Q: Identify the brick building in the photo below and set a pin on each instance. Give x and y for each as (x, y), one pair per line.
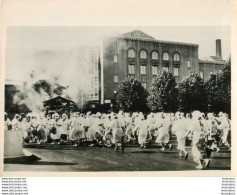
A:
(133, 54)
(136, 54)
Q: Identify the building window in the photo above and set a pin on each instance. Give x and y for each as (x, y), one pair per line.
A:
(165, 56)
(189, 64)
(115, 59)
(144, 85)
(143, 54)
(143, 69)
(131, 69)
(154, 70)
(176, 72)
(131, 53)
(154, 55)
(166, 69)
(202, 74)
(115, 79)
(176, 57)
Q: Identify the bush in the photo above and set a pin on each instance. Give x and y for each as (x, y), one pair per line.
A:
(163, 93)
(131, 96)
(192, 94)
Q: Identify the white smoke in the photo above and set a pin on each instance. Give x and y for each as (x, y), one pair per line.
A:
(69, 69)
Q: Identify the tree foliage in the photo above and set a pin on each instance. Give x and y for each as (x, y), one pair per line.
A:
(218, 89)
(42, 86)
(131, 96)
(58, 89)
(192, 94)
(163, 93)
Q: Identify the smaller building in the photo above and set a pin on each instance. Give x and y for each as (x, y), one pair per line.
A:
(211, 64)
(59, 105)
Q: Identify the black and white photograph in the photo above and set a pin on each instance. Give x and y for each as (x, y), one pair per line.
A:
(88, 99)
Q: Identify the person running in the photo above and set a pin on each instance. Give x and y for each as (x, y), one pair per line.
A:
(77, 131)
(117, 133)
(199, 142)
(63, 127)
(54, 131)
(42, 133)
(7, 122)
(163, 126)
(181, 130)
(212, 132)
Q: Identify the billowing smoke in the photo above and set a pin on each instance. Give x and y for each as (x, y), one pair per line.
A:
(57, 55)
(55, 73)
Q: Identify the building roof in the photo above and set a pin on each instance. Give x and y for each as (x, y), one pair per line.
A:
(141, 36)
(13, 82)
(137, 34)
(212, 62)
(58, 99)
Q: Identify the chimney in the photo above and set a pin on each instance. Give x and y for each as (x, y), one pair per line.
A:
(218, 48)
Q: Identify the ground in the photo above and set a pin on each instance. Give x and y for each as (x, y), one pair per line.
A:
(61, 158)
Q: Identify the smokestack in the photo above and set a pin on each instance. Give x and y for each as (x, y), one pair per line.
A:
(218, 48)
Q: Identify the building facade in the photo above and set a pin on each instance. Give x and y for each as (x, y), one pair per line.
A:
(92, 61)
(134, 54)
(138, 55)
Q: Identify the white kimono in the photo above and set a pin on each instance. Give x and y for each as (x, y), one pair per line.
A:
(116, 130)
(196, 128)
(163, 131)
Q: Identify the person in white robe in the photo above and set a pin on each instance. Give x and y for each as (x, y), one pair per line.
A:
(181, 130)
(144, 135)
(77, 130)
(95, 130)
(25, 127)
(42, 133)
(48, 126)
(224, 127)
(54, 132)
(163, 136)
(198, 148)
(34, 127)
(212, 132)
(15, 122)
(117, 132)
(129, 127)
(7, 123)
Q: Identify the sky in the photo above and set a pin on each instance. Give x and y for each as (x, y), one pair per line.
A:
(33, 48)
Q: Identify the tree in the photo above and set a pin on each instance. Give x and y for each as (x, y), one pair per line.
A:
(225, 87)
(131, 96)
(218, 89)
(163, 93)
(43, 86)
(58, 89)
(213, 98)
(192, 94)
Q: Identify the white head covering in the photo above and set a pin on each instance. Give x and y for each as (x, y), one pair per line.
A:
(177, 114)
(98, 114)
(210, 115)
(188, 116)
(220, 114)
(196, 114)
(126, 114)
(64, 115)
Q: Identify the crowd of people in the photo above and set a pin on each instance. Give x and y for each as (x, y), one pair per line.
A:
(207, 132)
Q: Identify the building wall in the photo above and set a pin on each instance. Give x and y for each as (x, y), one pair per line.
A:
(120, 47)
(92, 58)
(208, 67)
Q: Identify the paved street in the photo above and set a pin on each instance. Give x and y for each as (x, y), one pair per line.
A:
(75, 159)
